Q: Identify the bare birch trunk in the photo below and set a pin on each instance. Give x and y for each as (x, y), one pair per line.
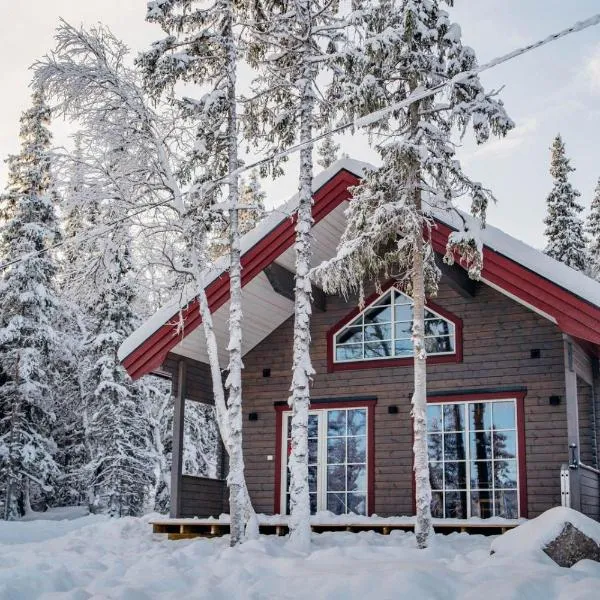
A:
(302, 370)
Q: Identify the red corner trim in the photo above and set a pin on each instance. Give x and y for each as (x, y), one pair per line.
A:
(370, 406)
(520, 403)
(152, 352)
(332, 366)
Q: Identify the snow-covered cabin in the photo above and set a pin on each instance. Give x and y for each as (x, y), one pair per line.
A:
(513, 378)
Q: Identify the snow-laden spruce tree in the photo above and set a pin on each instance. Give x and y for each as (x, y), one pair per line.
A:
(29, 341)
(203, 47)
(593, 229)
(291, 44)
(328, 152)
(564, 228)
(398, 48)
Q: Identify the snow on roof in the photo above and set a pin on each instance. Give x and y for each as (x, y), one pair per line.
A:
(495, 239)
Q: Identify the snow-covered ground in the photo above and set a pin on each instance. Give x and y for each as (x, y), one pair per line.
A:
(97, 558)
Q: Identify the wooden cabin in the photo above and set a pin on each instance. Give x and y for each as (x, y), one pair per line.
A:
(513, 379)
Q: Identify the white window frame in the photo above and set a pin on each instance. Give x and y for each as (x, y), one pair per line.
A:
(468, 461)
(321, 455)
(393, 290)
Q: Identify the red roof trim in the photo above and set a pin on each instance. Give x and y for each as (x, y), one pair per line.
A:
(153, 351)
(574, 316)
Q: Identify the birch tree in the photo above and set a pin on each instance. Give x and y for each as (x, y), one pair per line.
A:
(564, 228)
(397, 48)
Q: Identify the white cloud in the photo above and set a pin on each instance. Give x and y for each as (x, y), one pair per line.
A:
(592, 70)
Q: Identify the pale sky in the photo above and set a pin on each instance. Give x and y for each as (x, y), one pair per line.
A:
(554, 89)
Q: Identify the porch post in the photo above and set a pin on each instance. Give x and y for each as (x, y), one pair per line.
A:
(572, 419)
(177, 454)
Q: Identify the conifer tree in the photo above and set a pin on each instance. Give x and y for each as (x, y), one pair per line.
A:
(564, 227)
(593, 228)
(395, 49)
(328, 152)
(28, 306)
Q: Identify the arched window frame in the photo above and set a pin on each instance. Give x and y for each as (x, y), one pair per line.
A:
(392, 361)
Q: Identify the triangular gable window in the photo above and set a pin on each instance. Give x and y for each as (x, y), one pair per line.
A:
(383, 330)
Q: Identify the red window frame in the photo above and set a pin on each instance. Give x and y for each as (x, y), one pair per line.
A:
(369, 404)
(519, 397)
(332, 366)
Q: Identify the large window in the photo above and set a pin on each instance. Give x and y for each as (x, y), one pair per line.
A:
(473, 459)
(338, 460)
(384, 329)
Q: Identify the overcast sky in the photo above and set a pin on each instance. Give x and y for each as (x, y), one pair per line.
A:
(554, 89)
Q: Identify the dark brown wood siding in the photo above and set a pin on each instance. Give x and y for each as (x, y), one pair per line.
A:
(498, 335)
(202, 497)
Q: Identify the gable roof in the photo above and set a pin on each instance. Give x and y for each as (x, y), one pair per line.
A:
(568, 298)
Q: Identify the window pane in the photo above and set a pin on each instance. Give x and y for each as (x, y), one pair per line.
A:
(350, 335)
(385, 299)
(434, 417)
(352, 352)
(357, 449)
(378, 314)
(402, 299)
(403, 329)
(336, 451)
(481, 445)
(436, 475)
(357, 478)
(504, 415)
(455, 475)
(378, 349)
(357, 503)
(454, 417)
(357, 421)
(439, 344)
(404, 348)
(455, 446)
(481, 504)
(312, 451)
(336, 503)
(505, 473)
(456, 505)
(480, 415)
(505, 444)
(336, 478)
(434, 445)
(312, 479)
(437, 505)
(313, 426)
(288, 420)
(481, 474)
(336, 422)
(506, 504)
(374, 333)
(437, 327)
(404, 314)
(313, 504)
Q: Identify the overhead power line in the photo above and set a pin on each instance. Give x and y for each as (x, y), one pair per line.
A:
(354, 124)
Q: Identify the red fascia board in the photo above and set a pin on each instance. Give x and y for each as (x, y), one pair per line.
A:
(152, 352)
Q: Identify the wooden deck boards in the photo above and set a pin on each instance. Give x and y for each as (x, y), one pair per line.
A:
(189, 528)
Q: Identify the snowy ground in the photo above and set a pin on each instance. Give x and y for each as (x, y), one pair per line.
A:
(94, 557)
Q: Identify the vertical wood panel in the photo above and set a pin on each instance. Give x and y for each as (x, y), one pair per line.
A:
(177, 460)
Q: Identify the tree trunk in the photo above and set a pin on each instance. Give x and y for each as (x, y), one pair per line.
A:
(423, 525)
(302, 370)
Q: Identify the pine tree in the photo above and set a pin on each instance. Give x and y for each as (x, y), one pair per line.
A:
(564, 228)
(28, 306)
(395, 49)
(291, 44)
(328, 152)
(593, 228)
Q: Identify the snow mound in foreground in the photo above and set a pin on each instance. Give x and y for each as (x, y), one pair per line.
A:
(533, 536)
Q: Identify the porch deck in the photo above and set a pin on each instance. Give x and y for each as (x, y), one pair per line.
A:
(177, 529)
